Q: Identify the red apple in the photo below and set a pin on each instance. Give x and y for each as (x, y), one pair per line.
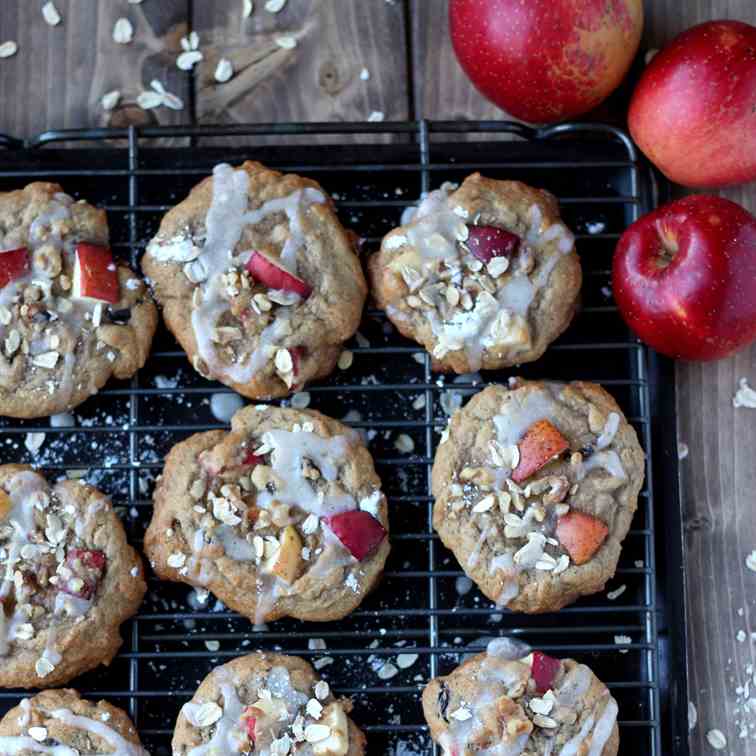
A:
(251, 459)
(250, 723)
(694, 110)
(358, 531)
(684, 278)
(95, 274)
(546, 60)
(13, 264)
(486, 242)
(269, 272)
(544, 671)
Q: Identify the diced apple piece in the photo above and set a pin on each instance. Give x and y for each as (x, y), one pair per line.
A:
(544, 670)
(13, 264)
(269, 272)
(5, 505)
(249, 721)
(540, 444)
(286, 561)
(95, 274)
(297, 353)
(337, 743)
(250, 459)
(94, 559)
(487, 242)
(581, 535)
(359, 532)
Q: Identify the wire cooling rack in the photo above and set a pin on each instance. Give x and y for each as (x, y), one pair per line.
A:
(425, 609)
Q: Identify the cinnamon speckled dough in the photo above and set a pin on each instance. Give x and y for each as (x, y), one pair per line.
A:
(424, 271)
(66, 719)
(41, 310)
(214, 515)
(485, 542)
(310, 240)
(499, 693)
(274, 689)
(60, 532)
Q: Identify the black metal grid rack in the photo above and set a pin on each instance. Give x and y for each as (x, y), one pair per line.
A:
(424, 605)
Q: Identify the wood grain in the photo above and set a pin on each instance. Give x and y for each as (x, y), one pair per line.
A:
(319, 80)
(58, 76)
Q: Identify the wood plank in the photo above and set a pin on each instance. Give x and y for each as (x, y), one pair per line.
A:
(319, 80)
(718, 476)
(59, 74)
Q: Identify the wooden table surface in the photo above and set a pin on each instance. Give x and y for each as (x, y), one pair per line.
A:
(60, 73)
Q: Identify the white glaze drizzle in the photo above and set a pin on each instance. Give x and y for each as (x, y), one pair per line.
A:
(224, 225)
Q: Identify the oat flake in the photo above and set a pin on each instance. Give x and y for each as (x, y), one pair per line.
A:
(110, 99)
(345, 360)
(188, 59)
(716, 739)
(692, 716)
(247, 8)
(376, 116)
(286, 41)
(387, 671)
(224, 70)
(34, 441)
(300, 400)
(274, 6)
(123, 31)
(404, 661)
(745, 395)
(364, 74)
(149, 100)
(404, 443)
(8, 49)
(50, 14)
(751, 561)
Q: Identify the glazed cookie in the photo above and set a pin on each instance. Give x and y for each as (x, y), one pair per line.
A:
(536, 486)
(529, 706)
(61, 722)
(483, 277)
(266, 704)
(283, 516)
(70, 318)
(258, 281)
(69, 579)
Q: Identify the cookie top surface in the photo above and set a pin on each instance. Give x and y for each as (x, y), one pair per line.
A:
(266, 704)
(68, 580)
(525, 706)
(69, 316)
(62, 723)
(484, 276)
(258, 280)
(283, 516)
(536, 486)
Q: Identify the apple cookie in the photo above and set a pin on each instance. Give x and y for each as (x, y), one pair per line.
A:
(267, 704)
(484, 276)
(536, 486)
(282, 516)
(258, 280)
(61, 722)
(70, 317)
(69, 579)
(533, 705)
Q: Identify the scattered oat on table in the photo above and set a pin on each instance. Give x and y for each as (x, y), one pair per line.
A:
(286, 41)
(50, 14)
(751, 561)
(110, 99)
(123, 31)
(404, 443)
(682, 450)
(692, 716)
(224, 71)
(376, 116)
(716, 739)
(364, 74)
(274, 6)
(8, 49)
(745, 396)
(247, 8)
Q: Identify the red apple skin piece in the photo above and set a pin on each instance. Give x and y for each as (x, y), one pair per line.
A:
(546, 60)
(544, 671)
(684, 278)
(540, 444)
(91, 558)
(267, 271)
(13, 264)
(96, 275)
(359, 532)
(581, 535)
(487, 242)
(251, 459)
(249, 725)
(693, 113)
